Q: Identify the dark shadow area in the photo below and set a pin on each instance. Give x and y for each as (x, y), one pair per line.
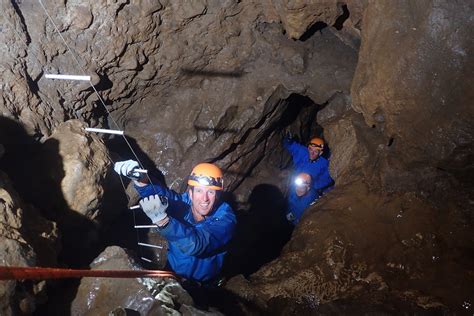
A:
(22, 19)
(117, 220)
(119, 229)
(316, 27)
(294, 107)
(298, 119)
(226, 302)
(104, 84)
(338, 24)
(119, 151)
(212, 73)
(36, 171)
(352, 306)
(299, 106)
(261, 232)
(390, 142)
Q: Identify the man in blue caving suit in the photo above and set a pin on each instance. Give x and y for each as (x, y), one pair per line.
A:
(301, 195)
(309, 160)
(197, 225)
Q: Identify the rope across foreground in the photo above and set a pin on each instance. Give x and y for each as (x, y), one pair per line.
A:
(38, 273)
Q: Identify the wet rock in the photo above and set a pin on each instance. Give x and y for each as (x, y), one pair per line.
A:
(423, 94)
(335, 109)
(298, 16)
(355, 148)
(328, 258)
(102, 296)
(79, 162)
(18, 100)
(27, 239)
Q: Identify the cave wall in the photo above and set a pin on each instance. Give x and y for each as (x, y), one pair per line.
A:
(26, 239)
(211, 80)
(186, 82)
(413, 85)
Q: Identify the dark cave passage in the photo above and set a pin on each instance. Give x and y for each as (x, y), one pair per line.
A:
(262, 227)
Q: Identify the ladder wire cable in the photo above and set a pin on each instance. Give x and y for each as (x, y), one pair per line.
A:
(108, 113)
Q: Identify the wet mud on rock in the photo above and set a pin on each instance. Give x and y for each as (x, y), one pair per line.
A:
(357, 248)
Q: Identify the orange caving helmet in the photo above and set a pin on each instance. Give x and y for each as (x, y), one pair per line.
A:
(316, 142)
(206, 174)
(303, 179)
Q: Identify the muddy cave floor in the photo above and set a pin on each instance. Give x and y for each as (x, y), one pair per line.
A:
(419, 267)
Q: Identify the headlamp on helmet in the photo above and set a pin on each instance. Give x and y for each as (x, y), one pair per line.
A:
(302, 179)
(316, 142)
(208, 175)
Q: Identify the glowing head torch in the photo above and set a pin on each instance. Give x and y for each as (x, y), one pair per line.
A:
(303, 179)
(299, 181)
(208, 175)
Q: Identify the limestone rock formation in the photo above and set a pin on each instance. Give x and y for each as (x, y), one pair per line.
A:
(356, 244)
(27, 239)
(101, 296)
(298, 16)
(412, 84)
(81, 166)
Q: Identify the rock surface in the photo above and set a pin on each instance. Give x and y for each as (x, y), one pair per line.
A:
(150, 296)
(401, 256)
(412, 84)
(26, 239)
(221, 81)
(81, 166)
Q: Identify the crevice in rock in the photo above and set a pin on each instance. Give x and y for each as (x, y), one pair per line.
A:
(338, 24)
(104, 84)
(120, 7)
(318, 26)
(33, 85)
(295, 113)
(22, 19)
(390, 142)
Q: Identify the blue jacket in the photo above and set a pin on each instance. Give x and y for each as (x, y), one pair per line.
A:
(319, 169)
(196, 249)
(297, 204)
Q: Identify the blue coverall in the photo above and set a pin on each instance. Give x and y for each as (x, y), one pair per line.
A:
(196, 249)
(318, 169)
(297, 204)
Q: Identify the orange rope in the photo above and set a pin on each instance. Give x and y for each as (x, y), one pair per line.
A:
(37, 273)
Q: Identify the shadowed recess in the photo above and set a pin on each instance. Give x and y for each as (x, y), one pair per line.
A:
(212, 73)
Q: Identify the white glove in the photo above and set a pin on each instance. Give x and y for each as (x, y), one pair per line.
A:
(290, 217)
(125, 168)
(155, 207)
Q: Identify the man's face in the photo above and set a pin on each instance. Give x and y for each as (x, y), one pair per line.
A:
(302, 189)
(314, 152)
(203, 200)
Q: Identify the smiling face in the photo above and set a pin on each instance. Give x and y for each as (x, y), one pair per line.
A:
(202, 201)
(314, 152)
